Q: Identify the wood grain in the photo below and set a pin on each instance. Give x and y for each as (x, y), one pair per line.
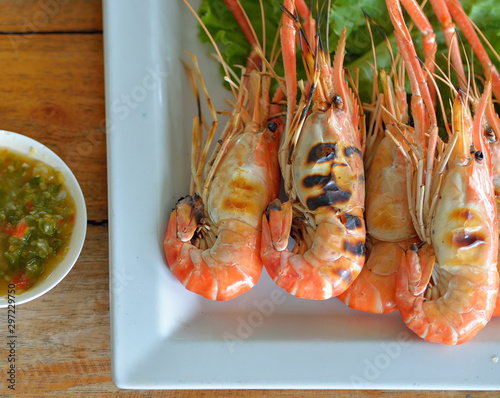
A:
(38, 16)
(52, 90)
(63, 341)
(64, 335)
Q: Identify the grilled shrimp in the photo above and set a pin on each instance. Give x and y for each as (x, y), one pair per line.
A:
(495, 158)
(322, 167)
(389, 224)
(447, 11)
(454, 10)
(212, 244)
(447, 290)
(447, 285)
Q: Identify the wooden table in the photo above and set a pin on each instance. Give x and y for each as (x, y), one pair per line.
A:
(52, 89)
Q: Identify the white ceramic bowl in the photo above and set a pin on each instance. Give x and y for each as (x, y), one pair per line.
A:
(27, 146)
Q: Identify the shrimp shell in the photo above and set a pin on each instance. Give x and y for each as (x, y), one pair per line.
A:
(322, 167)
(446, 291)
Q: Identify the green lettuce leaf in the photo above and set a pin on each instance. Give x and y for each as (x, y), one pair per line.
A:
(348, 13)
(228, 35)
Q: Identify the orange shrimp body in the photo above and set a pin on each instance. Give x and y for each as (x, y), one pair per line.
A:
(447, 11)
(387, 216)
(390, 232)
(447, 290)
(374, 290)
(389, 224)
(322, 167)
(495, 158)
(212, 244)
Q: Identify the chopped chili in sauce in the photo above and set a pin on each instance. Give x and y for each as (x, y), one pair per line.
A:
(37, 215)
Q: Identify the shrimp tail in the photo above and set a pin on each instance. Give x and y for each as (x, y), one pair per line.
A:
(446, 290)
(419, 269)
(280, 223)
(374, 290)
(189, 213)
(432, 319)
(212, 272)
(310, 270)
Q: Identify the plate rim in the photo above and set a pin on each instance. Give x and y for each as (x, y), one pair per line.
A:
(126, 372)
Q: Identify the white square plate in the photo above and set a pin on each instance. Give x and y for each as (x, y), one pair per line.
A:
(165, 337)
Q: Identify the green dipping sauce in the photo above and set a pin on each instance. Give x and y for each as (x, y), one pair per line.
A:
(37, 216)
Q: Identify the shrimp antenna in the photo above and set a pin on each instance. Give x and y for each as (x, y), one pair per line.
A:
(275, 51)
(490, 46)
(471, 81)
(367, 17)
(263, 17)
(302, 33)
(320, 17)
(251, 36)
(328, 26)
(223, 63)
(375, 88)
(446, 80)
(236, 79)
(320, 43)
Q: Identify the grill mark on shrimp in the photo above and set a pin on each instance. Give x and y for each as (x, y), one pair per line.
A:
(316, 179)
(275, 205)
(351, 222)
(468, 240)
(345, 274)
(328, 198)
(290, 153)
(322, 152)
(197, 206)
(351, 150)
(357, 249)
(331, 186)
